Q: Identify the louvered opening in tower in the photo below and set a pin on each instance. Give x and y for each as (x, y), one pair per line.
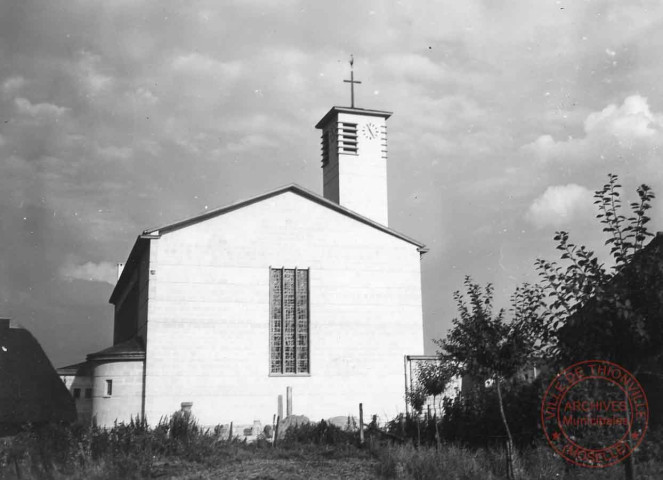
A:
(347, 138)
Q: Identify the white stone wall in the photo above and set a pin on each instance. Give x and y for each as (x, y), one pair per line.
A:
(208, 317)
(83, 404)
(126, 399)
(362, 179)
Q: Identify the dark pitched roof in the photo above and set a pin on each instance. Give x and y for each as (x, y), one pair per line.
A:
(132, 349)
(639, 282)
(153, 233)
(75, 369)
(30, 388)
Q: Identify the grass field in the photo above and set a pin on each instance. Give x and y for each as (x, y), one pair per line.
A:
(396, 462)
(181, 450)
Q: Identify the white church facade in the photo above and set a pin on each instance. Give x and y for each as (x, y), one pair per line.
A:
(225, 312)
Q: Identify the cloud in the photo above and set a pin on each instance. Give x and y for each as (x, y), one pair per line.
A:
(204, 66)
(251, 142)
(115, 152)
(90, 272)
(92, 80)
(12, 85)
(148, 112)
(560, 205)
(146, 96)
(412, 66)
(623, 138)
(614, 131)
(631, 121)
(25, 107)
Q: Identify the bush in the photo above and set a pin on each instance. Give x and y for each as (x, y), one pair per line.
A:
(474, 420)
(135, 450)
(127, 450)
(405, 461)
(321, 433)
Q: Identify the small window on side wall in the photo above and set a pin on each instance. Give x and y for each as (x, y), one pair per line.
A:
(109, 388)
(88, 393)
(77, 393)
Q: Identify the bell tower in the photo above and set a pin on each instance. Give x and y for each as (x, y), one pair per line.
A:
(354, 158)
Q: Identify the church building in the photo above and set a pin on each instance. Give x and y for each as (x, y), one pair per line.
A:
(289, 291)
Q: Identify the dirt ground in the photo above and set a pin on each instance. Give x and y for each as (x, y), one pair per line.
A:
(283, 469)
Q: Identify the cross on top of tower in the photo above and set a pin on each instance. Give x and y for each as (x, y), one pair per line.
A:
(352, 82)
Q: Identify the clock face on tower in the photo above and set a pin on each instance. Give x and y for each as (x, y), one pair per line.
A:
(370, 131)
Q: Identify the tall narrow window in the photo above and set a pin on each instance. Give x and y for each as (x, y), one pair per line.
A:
(289, 321)
(109, 388)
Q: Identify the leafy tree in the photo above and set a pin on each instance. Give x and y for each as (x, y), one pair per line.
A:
(583, 309)
(573, 295)
(482, 345)
(474, 419)
(416, 397)
(433, 379)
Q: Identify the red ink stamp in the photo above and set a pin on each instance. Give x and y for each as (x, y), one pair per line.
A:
(594, 414)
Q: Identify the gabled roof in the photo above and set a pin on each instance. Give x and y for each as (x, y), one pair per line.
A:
(154, 233)
(638, 283)
(75, 369)
(294, 188)
(30, 389)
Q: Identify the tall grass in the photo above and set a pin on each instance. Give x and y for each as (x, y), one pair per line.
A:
(451, 462)
(127, 450)
(178, 444)
(408, 462)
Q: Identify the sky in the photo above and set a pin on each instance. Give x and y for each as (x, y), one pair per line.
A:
(120, 116)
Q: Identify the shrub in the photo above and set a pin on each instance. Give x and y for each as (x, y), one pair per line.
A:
(134, 450)
(452, 462)
(321, 433)
(183, 427)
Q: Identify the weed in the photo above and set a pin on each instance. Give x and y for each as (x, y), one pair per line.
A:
(178, 447)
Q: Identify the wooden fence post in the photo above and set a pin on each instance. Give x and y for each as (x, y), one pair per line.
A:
(288, 401)
(17, 468)
(361, 424)
(276, 431)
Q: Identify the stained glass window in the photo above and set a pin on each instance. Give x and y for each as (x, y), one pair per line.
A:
(289, 321)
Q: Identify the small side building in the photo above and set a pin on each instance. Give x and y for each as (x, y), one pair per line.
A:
(109, 385)
(78, 381)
